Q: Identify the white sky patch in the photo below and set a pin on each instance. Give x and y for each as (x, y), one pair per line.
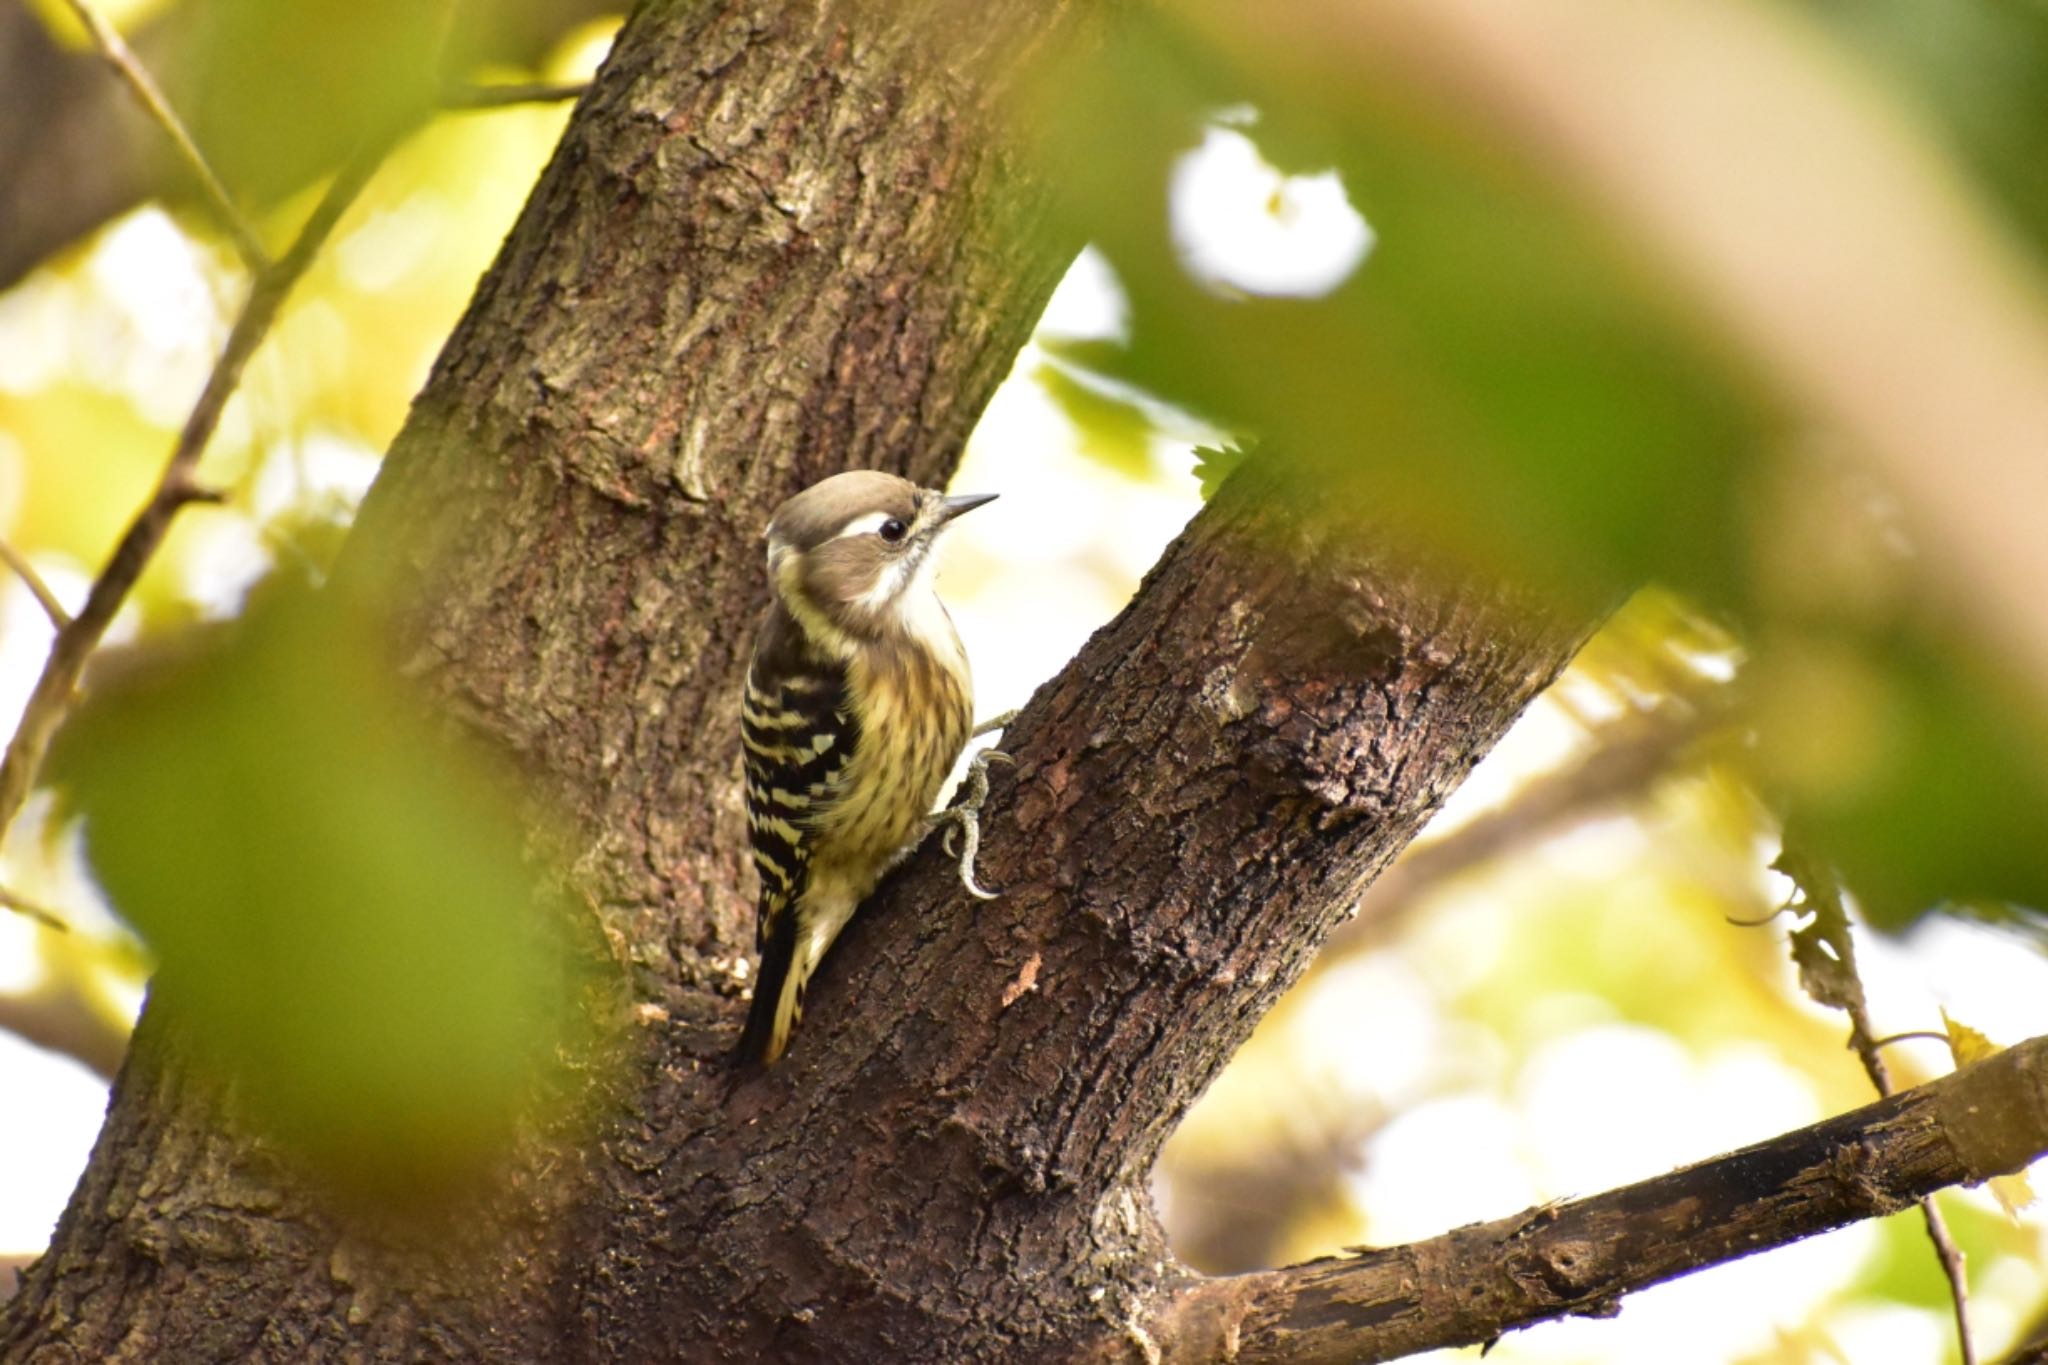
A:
(1544, 740)
(1241, 226)
(314, 469)
(1028, 578)
(156, 277)
(1090, 303)
(25, 632)
(20, 967)
(224, 557)
(1587, 1132)
(1443, 1163)
(1738, 1311)
(156, 323)
(46, 1146)
(1993, 979)
(1384, 1026)
(33, 314)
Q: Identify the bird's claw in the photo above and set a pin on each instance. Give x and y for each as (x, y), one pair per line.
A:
(965, 815)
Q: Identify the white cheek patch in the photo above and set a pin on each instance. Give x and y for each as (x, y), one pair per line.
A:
(924, 616)
(887, 584)
(777, 549)
(867, 523)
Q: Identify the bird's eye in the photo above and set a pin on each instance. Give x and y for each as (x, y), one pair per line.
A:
(892, 530)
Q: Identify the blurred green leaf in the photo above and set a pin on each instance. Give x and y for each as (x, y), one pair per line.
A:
(1980, 67)
(336, 892)
(1111, 430)
(1495, 380)
(284, 90)
(1504, 386)
(1214, 464)
(1919, 771)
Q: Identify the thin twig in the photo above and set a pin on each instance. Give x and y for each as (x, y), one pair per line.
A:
(47, 600)
(51, 700)
(1925, 1035)
(1825, 951)
(498, 96)
(131, 70)
(40, 913)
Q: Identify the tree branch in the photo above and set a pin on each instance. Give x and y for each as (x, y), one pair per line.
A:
(1580, 1258)
(38, 589)
(1620, 106)
(125, 64)
(51, 700)
(34, 910)
(1625, 758)
(498, 96)
(822, 250)
(1196, 801)
(1825, 953)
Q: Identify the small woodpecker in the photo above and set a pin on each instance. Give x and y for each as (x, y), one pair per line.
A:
(858, 702)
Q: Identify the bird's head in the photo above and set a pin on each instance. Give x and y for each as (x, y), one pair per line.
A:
(855, 551)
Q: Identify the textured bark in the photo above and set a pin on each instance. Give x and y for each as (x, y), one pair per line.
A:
(953, 1156)
(779, 240)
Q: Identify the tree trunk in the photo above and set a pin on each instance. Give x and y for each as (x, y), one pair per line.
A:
(780, 239)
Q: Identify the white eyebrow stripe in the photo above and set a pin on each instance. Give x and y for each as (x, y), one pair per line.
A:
(864, 524)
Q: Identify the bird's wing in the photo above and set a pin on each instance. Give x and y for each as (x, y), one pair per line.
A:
(798, 731)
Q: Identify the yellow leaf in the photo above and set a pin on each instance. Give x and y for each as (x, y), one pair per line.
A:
(1967, 1045)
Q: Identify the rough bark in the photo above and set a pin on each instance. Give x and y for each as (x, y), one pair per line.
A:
(953, 1157)
(779, 238)
(802, 245)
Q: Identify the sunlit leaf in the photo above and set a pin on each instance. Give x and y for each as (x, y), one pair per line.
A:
(1976, 65)
(1496, 378)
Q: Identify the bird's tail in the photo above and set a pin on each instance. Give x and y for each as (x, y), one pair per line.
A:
(778, 996)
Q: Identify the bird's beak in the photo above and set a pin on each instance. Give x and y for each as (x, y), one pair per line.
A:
(952, 507)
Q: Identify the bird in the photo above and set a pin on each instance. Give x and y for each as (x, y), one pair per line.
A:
(858, 701)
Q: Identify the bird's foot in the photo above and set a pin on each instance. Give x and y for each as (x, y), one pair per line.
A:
(993, 724)
(964, 814)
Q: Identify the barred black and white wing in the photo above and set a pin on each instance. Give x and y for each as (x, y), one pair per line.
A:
(798, 733)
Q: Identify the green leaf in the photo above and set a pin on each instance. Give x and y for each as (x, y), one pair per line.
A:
(1504, 387)
(1112, 430)
(1214, 464)
(1917, 769)
(1497, 380)
(284, 90)
(337, 893)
